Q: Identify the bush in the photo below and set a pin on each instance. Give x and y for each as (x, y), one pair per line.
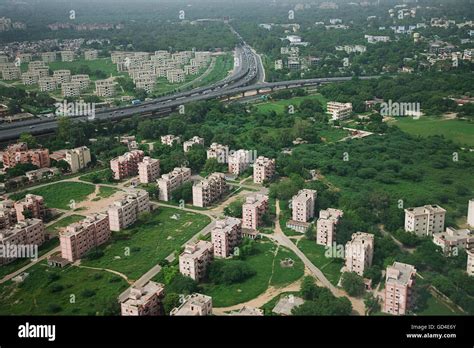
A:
(353, 283)
(229, 272)
(87, 293)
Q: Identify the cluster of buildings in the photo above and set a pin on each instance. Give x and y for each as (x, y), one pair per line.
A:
(19, 153)
(292, 60)
(126, 165)
(85, 26)
(6, 24)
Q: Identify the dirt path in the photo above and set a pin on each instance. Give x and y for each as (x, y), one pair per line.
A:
(107, 270)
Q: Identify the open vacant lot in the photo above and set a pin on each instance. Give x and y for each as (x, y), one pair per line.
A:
(59, 195)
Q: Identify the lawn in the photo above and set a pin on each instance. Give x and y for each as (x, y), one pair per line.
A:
(281, 106)
(459, 131)
(137, 249)
(437, 306)
(54, 228)
(59, 195)
(330, 267)
(48, 291)
(105, 191)
(98, 177)
(268, 272)
(103, 64)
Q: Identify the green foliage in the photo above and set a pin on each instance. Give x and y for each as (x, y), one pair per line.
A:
(353, 284)
(182, 285)
(229, 272)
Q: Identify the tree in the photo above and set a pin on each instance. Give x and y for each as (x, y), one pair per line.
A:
(182, 285)
(308, 289)
(29, 139)
(171, 300)
(229, 272)
(353, 283)
(234, 209)
(372, 304)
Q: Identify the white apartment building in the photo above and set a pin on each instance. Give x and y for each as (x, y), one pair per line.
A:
(470, 213)
(425, 220)
(326, 226)
(62, 76)
(453, 240)
(359, 252)
(225, 236)
(195, 259)
(302, 205)
(105, 88)
(170, 139)
(187, 145)
(78, 158)
(148, 170)
(219, 152)
(83, 80)
(67, 56)
(263, 169)
(209, 190)
(47, 84)
(339, 111)
(239, 161)
(29, 78)
(11, 73)
(171, 181)
(91, 54)
(126, 211)
(48, 57)
(194, 305)
(71, 89)
(176, 75)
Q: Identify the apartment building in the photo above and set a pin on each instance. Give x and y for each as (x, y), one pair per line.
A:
(253, 209)
(29, 78)
(67, 56)
(263, 169)
(25, 57)
(78, 158)
(37, 64)
(326, 226)
(171, 181)
(339, 111)
(91, 54)
(470, 262)
(187, 145)
(425, 220)
(62, 76)
(399, 282)
(452, 240)
(470, 213)
(302, 205)
(195, 259)
(239, 161)
(194, 305)
(7, 214)
(126, 165)
(176, 75)
(83, 80)
(19, 153)
(146, 83)
(125, 212)
(71, 89)
(82, 236)
(359, 252)
(41, 72)
(146, 300)
(48, 57)
(148, 170)
(191, 69)
(219, 152)
(225, 236)
(47, 84)
(11, 73)
(209, 190)
(105, 88)
(170, 140)
(32, 204)
(24, 233)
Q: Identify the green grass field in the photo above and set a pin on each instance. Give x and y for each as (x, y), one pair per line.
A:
(330, 267)
(54, 228)
(281, 106)
(105, 191)
(149, 242)
(59, 195)
(459, 131)
(103, 64)
(268, 272)
(48, 291)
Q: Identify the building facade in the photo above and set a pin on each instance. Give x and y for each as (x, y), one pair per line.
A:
(171, 181)
(194, 305)
(209, 190)
(326, 226)
(253, 209)
(359, 252)
(399, 282)
(19, 153)
(263, 169)
(225, 236)
(125, 212)
(126, 165)
(146, 300)
(425, 220)
(32, 204)
(149, 170)
(195, 259)
(29, 232)
(187, 145)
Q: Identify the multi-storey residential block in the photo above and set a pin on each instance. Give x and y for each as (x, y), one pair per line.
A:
(191, 69)
(105, 88)
(11, 73)
(171, 181)
(123, 213)
(62, 76)
(48, 57)
(339, 111)
(38, 64)
(32, 204)
(170, 140)
(326, 226)
(470, 213)
(194, 305)
(149, 170)
(176, 75)
(195, 259)
(209, 190)
(302, 205)
(126, 165)
(7, 214)
(146, 300)
(47, 84)
(225, 236)
(41, 72)
(19, 153)
(82, 236)
(83, 80)
(239, 161)
(359, 252)
(425, 220)
(29, 78)
(71, 89)
(253, 209)
(263, 169)
(470, 262)
(29, 232)
(399, 282)
(187, 145)
(91, 54)
(452, 240)
(78, 158)
(67, 56)
(146, 83)
(25, 57)
(219, 152)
